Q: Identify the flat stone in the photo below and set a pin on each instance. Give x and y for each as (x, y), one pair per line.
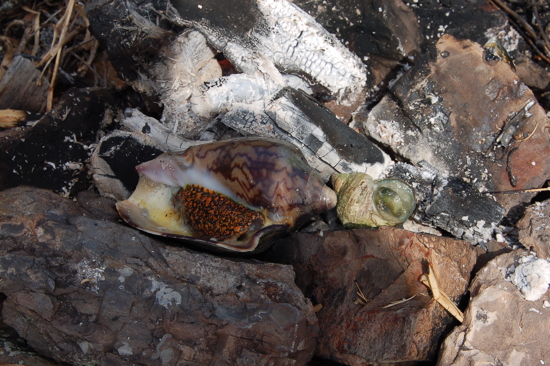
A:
(534, 229)
(82, 291)
(468, 117)
(500, 327)
(386, 264)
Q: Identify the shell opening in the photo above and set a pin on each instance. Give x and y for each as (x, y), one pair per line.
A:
(393, 200)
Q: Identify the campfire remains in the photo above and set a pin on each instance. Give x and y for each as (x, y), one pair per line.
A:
(395, 90)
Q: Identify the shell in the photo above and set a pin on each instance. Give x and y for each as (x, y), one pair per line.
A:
(363, 202)
(232, 194)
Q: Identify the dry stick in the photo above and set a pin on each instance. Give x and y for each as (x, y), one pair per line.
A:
(546, 42)
(66, 40)
(525, 25)
(49, 102)
(87, 65)
(532, 190)
(529, 41)
(530, 32)
(35, 30)
(441, 297)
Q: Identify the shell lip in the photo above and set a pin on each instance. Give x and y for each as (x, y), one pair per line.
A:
(131, 214)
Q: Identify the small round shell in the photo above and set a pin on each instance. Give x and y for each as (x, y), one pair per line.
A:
(363, 202)
(266, 181)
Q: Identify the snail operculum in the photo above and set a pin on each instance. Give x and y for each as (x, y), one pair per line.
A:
(363, 202)
(229, 194)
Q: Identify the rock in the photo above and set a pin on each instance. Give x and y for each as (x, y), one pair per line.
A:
(450, 203)
(500, 327)
(386, 264)
(84, 291)
(14, 350)
(490, 134)
(534, 229)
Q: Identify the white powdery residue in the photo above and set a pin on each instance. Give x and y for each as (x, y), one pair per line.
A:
(125, 349)
(510, 39)
(124, 272)
(390, 132)
(165, 295)
(90, 273)
(531, 276)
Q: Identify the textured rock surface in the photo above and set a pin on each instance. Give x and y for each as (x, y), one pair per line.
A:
(82, 290)
(534, 229)
(484, 133)
(500, 327)
(386, 263)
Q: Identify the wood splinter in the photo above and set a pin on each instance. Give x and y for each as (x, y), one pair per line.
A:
(441, 297)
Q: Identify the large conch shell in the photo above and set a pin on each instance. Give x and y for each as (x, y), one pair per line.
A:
(233, 194)
(363, 202)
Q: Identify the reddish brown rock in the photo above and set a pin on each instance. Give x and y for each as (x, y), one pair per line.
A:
(500, 327)
(85, 291)
(534, 229)
(468, 116)
(387, 264)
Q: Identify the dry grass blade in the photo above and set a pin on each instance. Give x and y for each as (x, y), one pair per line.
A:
(59, 48)
(397, 302)
(441, 297)
(362, 300)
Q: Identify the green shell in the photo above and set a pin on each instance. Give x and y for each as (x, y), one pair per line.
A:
(363, 202)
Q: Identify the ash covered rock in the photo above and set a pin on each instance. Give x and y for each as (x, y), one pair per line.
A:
(86, 291)
(450, 203)
(534, 229)
(531, 276)
(500, 326)
(488, 134)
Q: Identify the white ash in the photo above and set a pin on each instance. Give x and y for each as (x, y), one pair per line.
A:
(89, 274)
(165, 296)
(531, 276)
(186, 64)
(508, 37)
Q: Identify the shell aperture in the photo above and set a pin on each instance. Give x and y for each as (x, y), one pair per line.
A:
(363, 202)
(265, 184)
(394, 200)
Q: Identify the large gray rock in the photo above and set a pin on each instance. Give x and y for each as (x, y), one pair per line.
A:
(500, 326)
(86, 291)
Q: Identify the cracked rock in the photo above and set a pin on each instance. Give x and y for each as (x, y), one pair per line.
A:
(500, 327)
(386, 264)
(83, 291)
